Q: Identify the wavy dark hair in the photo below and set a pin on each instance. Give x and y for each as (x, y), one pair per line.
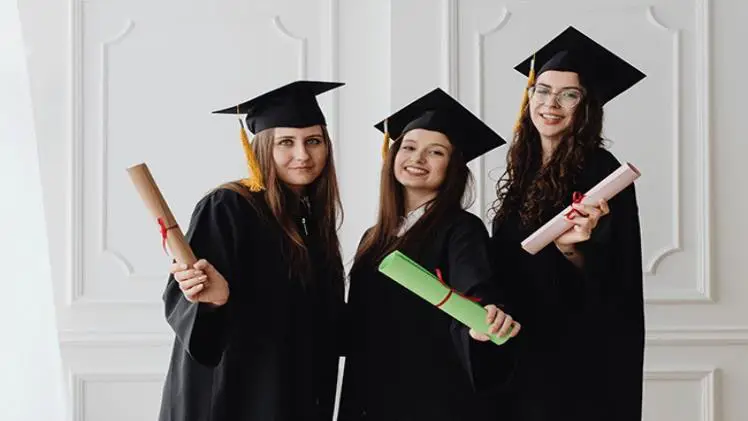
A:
(455, 193)
(535, 190)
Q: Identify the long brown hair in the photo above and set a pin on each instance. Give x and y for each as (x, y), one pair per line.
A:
(326, 207)
(533, 189)
(455, 193)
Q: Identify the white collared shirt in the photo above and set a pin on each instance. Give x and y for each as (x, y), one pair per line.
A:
(411, 218)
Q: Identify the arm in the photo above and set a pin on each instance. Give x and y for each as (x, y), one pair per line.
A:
(471, 273)
(201, 327)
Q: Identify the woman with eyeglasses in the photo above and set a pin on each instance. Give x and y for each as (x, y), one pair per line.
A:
(581, 353)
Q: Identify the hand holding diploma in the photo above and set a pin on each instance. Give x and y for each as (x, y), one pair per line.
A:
(500, 324)
(203, 283)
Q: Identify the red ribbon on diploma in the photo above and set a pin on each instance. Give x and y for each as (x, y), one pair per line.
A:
(164, 231)
(451, 291)
(576, 197)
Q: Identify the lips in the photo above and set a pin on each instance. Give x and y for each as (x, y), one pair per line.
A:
(416, 171)
(550, 118)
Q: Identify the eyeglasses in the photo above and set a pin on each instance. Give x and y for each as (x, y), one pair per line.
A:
(566, 98)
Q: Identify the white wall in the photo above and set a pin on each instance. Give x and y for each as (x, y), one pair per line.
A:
(119, 82)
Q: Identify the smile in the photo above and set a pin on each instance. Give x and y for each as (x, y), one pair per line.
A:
(551, 118)
(415, 170)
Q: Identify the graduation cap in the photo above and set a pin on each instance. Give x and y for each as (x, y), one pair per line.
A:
(604, 73)
(438, 111)
(291, 105)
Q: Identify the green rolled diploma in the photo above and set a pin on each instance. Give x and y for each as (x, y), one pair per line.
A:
(423, 283)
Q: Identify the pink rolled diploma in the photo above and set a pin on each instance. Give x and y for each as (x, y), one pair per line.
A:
(606, 189)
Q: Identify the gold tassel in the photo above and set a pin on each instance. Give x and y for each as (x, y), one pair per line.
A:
(254, 182)
(386, 141)
(525, 97)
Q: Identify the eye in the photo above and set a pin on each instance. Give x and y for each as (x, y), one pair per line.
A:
(542, 90)
(408, 148)
(437, 152)
(571, 94)
(314, 141)
(285, 142)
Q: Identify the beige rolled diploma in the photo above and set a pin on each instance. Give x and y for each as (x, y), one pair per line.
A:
(606, 189)
(145, 185)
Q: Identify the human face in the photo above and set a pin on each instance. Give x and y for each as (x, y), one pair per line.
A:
(422, 160)
(300, 155)
(553, 102)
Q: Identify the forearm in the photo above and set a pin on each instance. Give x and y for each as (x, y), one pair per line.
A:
(573, 254)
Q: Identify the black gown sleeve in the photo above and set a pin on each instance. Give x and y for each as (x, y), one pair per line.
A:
(215, 227)
(471, 273)
(612, 255)
(612, 282)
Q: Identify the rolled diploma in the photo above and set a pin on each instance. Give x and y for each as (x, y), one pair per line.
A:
(605, 189)
(420, 281)
(154, 201)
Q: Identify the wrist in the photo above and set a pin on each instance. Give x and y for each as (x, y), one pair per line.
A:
(566, 249)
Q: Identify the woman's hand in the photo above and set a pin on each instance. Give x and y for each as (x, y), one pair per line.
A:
(585, 219)
(499, 323)
(202, 284)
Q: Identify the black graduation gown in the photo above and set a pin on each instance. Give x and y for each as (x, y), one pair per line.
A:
(409, 360)
(582, 342)
(270, 353)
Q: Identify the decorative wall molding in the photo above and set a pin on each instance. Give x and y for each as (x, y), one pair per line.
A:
(332, 13)
(704, 336)
(704, 289)
(80, 381)
(480, 39)
(103, 181)
(450, 47)
(301, 45)
(711, 336)
(75, 205)
(676, 223)
(707, 382)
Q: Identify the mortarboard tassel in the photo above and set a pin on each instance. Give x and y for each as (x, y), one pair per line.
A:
(254, 182)
(525, 97)
(386, 141)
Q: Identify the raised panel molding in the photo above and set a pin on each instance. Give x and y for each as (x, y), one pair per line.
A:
(480, 39)
(104, 248)
(707, 382)
(75, 279)
(301, 45)
(716, 336)
(675, 246)
(79, 381)
(702, 293)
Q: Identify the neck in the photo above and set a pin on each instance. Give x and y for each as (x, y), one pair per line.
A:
(549, 145)
(296, 190)
(417, 198)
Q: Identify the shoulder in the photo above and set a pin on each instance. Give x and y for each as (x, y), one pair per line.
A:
(227, 201)
(463, 221)
(598, 164)
(603, 160)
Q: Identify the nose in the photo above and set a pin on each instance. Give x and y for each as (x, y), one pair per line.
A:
(420, 156)
(300, 152)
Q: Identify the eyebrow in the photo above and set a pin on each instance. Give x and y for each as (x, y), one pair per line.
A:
(407, 139)
(565, 87)
(288, 137)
